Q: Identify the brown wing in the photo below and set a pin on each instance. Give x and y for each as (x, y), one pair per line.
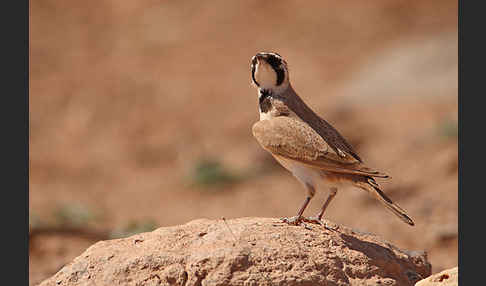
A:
(335, 140)
(294, 139)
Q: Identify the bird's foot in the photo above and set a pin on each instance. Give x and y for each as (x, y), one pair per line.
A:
(318, 221)
(313, 219)
(295, 220)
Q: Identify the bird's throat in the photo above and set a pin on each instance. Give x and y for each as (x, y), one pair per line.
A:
(264, 100)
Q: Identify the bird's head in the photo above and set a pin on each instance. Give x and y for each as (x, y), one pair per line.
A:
(269, 72)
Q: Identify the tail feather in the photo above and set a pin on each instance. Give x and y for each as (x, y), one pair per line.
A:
(372, 187)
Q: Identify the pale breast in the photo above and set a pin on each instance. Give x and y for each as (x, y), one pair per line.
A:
(266, 115)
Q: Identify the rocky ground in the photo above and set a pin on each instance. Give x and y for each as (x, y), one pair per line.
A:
(247, 251)
(448, 277)
(141, 115)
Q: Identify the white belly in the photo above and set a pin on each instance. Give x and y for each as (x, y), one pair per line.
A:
(304, 174)
(311, 176)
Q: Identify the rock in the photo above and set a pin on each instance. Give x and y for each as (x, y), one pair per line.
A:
(245, 251)
(448, 277)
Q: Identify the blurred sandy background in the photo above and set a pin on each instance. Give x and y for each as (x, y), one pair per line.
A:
(141, 115)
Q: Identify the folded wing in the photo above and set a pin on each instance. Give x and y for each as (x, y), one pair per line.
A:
(294, 139)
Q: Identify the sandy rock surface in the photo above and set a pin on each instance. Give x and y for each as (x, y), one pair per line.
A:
(245, 251)
(448, 277)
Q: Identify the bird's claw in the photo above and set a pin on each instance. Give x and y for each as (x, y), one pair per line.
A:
(316, 220)
(313, 220)
(295, 220)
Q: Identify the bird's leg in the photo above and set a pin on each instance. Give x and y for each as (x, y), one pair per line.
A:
(296, 220)
(318, 218)
(331, 196)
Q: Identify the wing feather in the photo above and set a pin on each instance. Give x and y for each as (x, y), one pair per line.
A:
(294, 139)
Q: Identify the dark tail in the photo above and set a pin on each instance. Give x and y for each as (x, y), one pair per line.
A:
(370, 185)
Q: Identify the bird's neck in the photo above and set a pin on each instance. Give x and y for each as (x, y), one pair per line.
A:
(272, 104)
(275, 92)
(289, 98)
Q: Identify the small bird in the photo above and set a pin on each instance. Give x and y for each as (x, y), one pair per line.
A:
(304, 143)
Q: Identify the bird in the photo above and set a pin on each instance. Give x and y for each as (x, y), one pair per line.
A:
(305, 144)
